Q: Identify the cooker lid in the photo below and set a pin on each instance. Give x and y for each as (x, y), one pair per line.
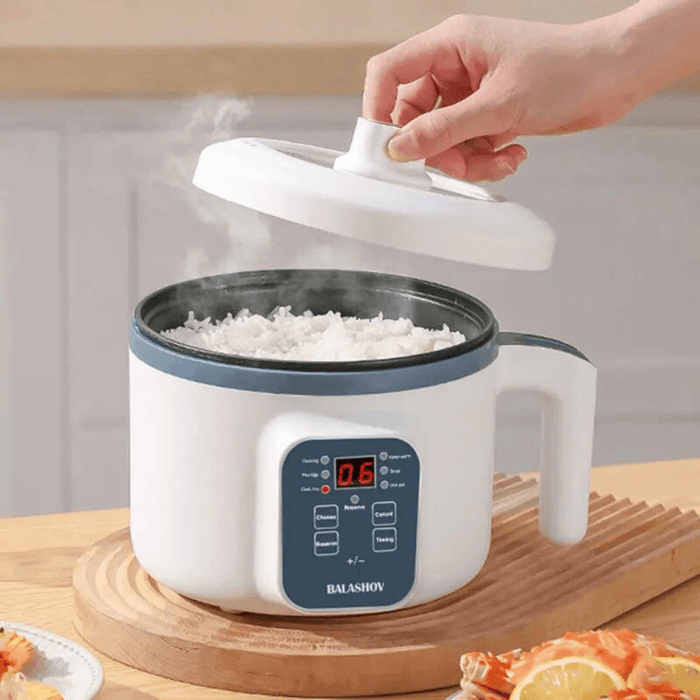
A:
(364, 194)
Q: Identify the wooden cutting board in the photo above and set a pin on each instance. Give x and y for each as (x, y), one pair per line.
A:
(529, 590)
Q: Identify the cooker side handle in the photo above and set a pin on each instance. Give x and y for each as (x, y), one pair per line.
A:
(567, 381)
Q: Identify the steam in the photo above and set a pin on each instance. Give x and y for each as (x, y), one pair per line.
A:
(325, 257)
(231, 238)
(235, 238)
(244, 236)
(247, 237)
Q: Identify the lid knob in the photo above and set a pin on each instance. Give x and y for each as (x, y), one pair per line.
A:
(368, 156)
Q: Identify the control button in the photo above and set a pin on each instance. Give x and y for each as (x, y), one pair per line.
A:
(326, 517)
(384, 485)
(325, 488)
(354, 499)
(383, 539)
(324, 460)
(325, 474)
(384, 513)
(383, 470)
(326, 544)
(383, 456)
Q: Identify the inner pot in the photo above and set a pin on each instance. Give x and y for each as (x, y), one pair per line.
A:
(358, 294)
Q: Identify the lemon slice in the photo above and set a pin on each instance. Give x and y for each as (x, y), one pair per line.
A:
(682, 672)
(571, 677)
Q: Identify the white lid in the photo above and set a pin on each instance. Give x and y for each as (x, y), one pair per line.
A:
(366, 195)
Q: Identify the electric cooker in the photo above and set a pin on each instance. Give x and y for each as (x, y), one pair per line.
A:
(336, 488)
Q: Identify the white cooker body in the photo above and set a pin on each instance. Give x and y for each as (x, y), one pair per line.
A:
(206, 487)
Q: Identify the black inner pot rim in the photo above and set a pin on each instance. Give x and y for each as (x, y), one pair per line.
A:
(457, 301)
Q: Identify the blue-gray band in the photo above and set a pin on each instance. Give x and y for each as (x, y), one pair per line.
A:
(279, 381)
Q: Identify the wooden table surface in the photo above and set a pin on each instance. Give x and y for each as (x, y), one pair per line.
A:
(37, 555)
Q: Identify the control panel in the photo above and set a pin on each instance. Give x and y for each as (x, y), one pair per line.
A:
(349, 519)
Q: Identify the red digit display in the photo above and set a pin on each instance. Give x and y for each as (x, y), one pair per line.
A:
(366, 475)
(355, 472)
(345, 474)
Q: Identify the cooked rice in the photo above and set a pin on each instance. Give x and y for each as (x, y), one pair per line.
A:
(311, 338)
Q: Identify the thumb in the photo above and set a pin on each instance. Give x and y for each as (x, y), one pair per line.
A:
(481, 114)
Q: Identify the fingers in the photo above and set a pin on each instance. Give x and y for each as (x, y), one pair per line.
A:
(479, 164)
(404, 84)
(414, 99)
(429, 134)
(429, 92)
(402, 64)
(500, 140)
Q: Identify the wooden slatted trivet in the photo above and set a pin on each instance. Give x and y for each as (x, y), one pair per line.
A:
(529, 590)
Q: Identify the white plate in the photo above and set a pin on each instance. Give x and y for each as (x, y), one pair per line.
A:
(59, 662)
(454, 696)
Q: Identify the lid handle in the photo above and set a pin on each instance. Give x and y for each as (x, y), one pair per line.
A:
(368, 156)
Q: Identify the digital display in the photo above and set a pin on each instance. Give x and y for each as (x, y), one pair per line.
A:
(355, 472)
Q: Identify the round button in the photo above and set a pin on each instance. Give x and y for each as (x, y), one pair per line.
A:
(384, 470)
(325, 488)
(384, 485)
(325, 459)
(354, 499)
(325, 474)
(383, 455)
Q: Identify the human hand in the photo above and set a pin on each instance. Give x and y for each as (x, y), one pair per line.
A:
(494, 80)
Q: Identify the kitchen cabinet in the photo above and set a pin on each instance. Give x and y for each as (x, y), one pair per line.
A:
(98, 211)
(72, 48)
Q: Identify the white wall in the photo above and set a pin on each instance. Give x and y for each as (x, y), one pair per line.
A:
(94, 221)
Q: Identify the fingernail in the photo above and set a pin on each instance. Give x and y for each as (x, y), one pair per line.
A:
(505, 167)
(403, 147)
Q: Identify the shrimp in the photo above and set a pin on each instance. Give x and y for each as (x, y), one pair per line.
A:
(15, 651)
